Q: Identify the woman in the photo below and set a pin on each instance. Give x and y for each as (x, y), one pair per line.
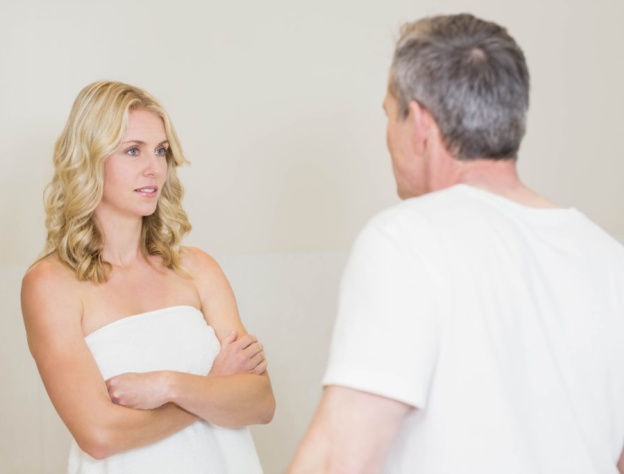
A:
(137, 339)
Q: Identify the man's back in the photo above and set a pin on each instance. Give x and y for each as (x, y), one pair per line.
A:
(504, 328)
(480, 328)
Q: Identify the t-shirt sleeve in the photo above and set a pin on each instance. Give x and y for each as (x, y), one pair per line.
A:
(385, 338)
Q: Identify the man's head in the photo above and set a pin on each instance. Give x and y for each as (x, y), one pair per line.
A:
(471, 76)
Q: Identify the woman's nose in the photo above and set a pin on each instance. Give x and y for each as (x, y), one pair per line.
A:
(155, 165)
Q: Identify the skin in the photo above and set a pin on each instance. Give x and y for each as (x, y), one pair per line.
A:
(422, 164)
(133, 410)
(352, 431)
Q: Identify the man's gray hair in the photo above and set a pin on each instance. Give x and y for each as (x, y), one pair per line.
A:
(472, 77)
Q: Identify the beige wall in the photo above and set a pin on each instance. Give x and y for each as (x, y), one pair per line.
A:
(278, 105)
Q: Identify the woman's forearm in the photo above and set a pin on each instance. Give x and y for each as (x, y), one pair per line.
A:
(117, 429)
(229, 400)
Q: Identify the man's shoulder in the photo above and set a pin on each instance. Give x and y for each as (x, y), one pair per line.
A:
(420, 211)
(414, 223)
(597, 239)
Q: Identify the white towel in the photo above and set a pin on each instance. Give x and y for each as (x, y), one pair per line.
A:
(175, 338)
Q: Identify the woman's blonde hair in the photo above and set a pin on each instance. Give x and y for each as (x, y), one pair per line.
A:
(94, 130)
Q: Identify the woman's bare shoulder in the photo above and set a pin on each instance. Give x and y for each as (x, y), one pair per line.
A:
(197, 262)
(207, 275)
(49, 268)
(49, 278)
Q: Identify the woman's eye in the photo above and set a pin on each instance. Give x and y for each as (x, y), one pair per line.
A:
(133, 151)
(161, 152)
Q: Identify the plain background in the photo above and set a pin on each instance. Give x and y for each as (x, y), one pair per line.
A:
(278, 106)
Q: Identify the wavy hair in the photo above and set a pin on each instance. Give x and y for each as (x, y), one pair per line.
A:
(94, 130)
(473, 78)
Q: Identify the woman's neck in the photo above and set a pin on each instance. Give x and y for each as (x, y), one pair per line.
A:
(122, 239)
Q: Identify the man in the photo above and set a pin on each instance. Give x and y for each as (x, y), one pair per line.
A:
(480, 327)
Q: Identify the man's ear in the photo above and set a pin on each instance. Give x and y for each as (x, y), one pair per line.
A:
(423, 123)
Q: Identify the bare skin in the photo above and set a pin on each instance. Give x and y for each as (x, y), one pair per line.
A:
(422, 163)
(133, 410)
(352, 431)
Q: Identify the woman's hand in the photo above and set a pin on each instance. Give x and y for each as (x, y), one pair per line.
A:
(142, 391)
(243, 355)
(148, 390)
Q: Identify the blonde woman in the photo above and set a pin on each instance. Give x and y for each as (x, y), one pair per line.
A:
(137, 339)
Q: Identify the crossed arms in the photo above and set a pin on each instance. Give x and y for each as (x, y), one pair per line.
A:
(134, 410)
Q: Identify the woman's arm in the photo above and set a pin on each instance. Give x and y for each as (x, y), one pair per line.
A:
(238, 391)
(52, 312)
(238, 356)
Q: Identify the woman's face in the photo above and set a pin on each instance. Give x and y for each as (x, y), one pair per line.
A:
(135, 173)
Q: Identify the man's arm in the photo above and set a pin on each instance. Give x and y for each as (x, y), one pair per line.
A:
(620, 464)
(351, 432)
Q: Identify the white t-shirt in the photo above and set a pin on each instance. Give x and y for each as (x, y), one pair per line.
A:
(503, 324)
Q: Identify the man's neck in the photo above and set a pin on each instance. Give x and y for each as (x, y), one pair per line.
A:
(499, 177)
